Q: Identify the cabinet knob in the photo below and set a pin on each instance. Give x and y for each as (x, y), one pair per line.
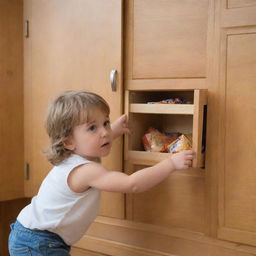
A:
(113, 75)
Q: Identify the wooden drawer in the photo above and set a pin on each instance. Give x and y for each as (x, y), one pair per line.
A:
(183, 118)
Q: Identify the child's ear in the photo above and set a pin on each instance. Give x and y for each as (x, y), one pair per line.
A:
(68, 143)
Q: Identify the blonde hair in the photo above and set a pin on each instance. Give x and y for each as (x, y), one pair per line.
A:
(68, 110)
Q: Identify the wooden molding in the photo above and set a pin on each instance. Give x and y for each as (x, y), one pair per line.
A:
(117, 237)
(114, 248)
(166, 84)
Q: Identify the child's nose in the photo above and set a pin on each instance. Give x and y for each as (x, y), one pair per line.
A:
(104, 131)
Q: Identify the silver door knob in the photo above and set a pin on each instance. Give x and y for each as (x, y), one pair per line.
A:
(113, 75)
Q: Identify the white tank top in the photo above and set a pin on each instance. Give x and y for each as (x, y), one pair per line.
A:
(60, 210)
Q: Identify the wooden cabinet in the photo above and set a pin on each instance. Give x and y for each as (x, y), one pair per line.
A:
(72, 45)
(172, 47)
(173, 118)
(11, 100)
(192, 49)
(166, 57)
(181, 188)
(237, 124)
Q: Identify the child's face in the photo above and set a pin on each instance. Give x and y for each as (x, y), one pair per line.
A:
(92, 139)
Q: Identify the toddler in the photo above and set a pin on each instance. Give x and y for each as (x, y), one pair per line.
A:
(68, 199)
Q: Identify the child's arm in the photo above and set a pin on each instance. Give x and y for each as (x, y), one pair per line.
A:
(94, 175)
(120, 126)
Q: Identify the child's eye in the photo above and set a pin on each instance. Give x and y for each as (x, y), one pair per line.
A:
(106, 123)
(92, 128)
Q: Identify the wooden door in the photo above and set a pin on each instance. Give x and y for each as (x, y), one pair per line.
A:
(11, 100)
(237, 142)
(71, 45)
(167, 44)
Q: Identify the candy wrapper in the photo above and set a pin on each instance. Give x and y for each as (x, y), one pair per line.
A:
(170, 101)
(180, 144)
(155, 141)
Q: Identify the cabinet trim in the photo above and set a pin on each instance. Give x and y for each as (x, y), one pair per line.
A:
(240, 236)
(186, 109)
(155, 238)
(200, 99)
(166, 84)
(114, 248)
(237, 17)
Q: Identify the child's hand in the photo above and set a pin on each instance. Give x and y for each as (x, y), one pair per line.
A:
(120, 126)
(183, 159)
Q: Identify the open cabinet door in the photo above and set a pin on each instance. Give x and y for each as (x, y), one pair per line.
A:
(70, 45)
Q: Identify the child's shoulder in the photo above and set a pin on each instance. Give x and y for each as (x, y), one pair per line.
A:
(79, 178)
(73, 160)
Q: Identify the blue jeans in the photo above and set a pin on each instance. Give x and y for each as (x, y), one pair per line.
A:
(24, 241)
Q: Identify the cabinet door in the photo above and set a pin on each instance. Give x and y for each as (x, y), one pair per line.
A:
(167, 43)
(11, 100)
(72, 44)
(237, 144)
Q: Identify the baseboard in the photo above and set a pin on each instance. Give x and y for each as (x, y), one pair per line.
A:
(114, 248)
(124, 238)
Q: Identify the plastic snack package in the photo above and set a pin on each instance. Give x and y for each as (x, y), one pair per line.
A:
(175, 135)
(155, 141)
(180, 144)
(170, 101)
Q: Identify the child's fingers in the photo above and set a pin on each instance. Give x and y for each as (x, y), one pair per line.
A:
(186, 165)
(189, 157)
(127, 130)
(188, 162)
(190, 153)
(122, 119)
(128, 127)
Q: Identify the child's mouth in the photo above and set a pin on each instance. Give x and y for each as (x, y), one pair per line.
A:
(105, 144)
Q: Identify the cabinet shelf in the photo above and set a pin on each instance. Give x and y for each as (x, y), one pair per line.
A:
(145, 158)
(151, 158)
(176, 109)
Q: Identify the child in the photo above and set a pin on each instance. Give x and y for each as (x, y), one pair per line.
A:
(68, 199)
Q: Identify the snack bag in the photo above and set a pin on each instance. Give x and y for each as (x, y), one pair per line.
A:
(182, 143)
(155, 141)
(170, 101)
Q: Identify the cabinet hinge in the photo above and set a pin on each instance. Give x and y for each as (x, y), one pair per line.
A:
(26, 171)
(26, 29)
